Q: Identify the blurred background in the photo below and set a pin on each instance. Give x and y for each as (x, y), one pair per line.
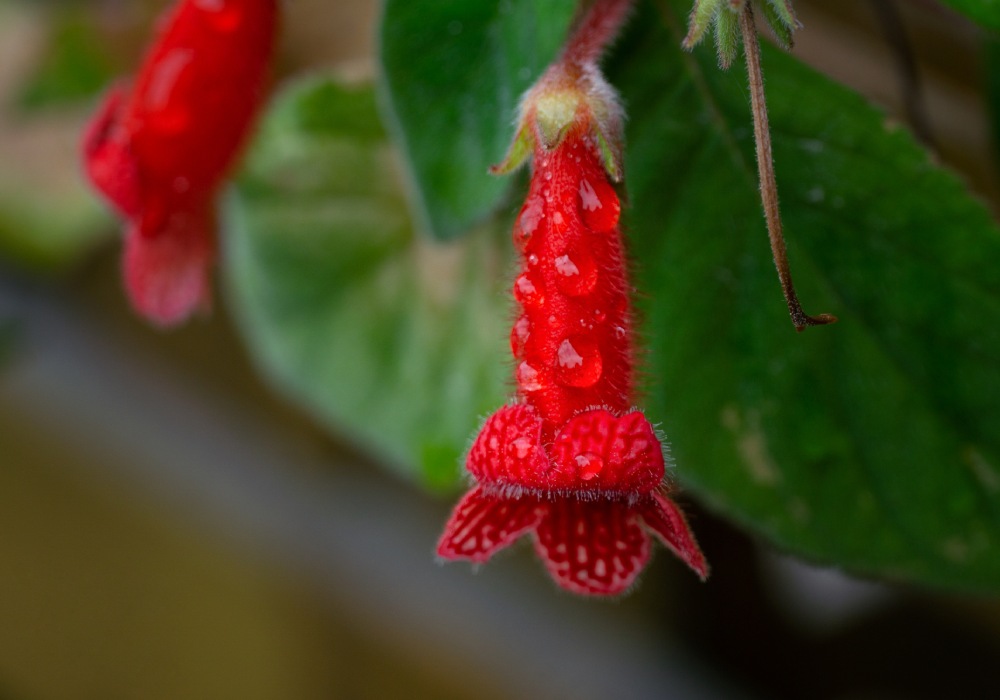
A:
(171, 528)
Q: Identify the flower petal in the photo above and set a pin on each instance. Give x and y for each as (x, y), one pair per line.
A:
(483, 524)
(508, 449)
(108, 159)
(166, 273)
(592, 547)
(665, 519)
(597, 451)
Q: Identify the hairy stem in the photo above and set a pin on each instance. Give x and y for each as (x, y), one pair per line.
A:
(597, 28)
(765, 170)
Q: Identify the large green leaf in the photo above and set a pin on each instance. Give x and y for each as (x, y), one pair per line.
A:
(874, 443)
(985, 12)
(453, 71)
(391, 338)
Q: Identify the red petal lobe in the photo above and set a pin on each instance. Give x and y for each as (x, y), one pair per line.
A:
(592, 547)
(666, 521)
(483, 524)
(166, 274)
(630, 456)
(109, 161)
(508, 449)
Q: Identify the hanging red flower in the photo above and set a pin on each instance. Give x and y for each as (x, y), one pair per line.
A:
(570, 461)
(159, 147)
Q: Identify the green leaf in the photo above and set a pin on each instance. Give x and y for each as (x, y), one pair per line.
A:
(392, 339)
(985, 12)
(74, 66)
(48, 218)
(453, 72)
(872, 444)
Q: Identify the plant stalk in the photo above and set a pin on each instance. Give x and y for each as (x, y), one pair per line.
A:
(765, 170)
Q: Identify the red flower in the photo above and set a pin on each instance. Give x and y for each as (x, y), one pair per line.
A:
(160, 147)
(570, 461)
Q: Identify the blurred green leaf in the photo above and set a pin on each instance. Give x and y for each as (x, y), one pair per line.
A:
(873, 443)
(453, 72)
(74, 65)
(389, 337)
(48, 219)
(985, 12)
(47, 229)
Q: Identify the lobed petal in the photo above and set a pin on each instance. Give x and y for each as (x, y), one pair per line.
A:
(166, 273)
(592, 547)
(664, 518)
(483, 524)
(597, 451)
(508, 449)
(108, 158)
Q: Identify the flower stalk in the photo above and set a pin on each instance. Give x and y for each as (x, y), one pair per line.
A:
(570, 461)
(734, 25)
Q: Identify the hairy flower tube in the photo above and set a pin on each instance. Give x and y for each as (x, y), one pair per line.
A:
(570, 461)
(161, 145)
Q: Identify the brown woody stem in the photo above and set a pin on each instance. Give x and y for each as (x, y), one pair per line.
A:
(765, 170)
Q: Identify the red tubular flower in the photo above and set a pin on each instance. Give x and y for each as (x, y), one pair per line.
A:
(570, 461)
(160, 147)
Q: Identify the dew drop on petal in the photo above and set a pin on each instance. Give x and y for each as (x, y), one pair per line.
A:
(532, 260)
(527, 377)
(527, 292)
(588, 198)
(577, 273)
(558, 222)
(527, 222)
(588, 465)
(579, 362)
(165, 77)
(599, 206)
(566, 267)
(519, 335)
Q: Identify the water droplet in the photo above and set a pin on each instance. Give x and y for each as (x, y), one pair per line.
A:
(577, 273)
(165, 75)
(519, 335)
(558, 221)
(588, 197)
(527, 221)
(620, 332)
(527, 377)
(522, 447)
(527, 292)
(579, 362)
(588, 465)
(600, 316)
(599, 206)
(566, 266)
(532, 259)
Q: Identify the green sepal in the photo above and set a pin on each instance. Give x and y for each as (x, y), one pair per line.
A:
(611, 157)
(702, 17)
(727, 37)
(520, 149)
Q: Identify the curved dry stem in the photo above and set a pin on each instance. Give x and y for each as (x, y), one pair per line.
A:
(765, 170)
